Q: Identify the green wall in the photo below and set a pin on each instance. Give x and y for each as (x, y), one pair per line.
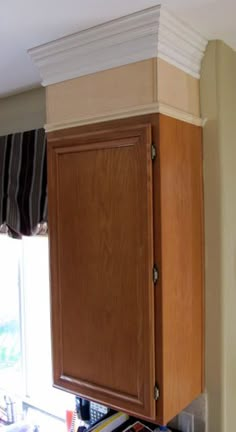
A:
(23, 111)
(218, 106)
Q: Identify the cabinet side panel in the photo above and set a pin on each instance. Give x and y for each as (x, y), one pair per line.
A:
(181, 196)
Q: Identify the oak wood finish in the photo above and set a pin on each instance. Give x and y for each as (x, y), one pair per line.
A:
(180, 324)
(101, 237)
(178, 252)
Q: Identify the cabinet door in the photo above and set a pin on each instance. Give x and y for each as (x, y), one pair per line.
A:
(101, 251)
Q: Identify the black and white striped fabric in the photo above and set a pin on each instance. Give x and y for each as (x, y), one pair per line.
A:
(23, 183)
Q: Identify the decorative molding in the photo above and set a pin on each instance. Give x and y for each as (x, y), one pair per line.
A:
(179, 114)
(180, 45)
(130, 112)
(153, 32)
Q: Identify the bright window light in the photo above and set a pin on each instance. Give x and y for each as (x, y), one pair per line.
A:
(25, 330)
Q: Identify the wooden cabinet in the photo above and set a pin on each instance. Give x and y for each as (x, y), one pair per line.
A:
(114, 213)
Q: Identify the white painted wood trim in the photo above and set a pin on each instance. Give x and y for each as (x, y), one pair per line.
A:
(126, 113)
(153, 32)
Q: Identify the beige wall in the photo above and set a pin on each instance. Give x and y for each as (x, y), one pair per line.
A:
(22, 112)
(218, 104)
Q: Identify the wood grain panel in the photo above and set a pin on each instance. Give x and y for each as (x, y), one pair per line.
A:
(178, 252)
(181, 203)
(177, 88)
(101, 247)
(104, 92)
(149, 86)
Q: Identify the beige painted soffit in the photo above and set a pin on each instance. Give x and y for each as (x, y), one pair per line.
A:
(150, 33)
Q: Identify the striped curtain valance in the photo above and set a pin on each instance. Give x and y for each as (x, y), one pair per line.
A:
(23, 183)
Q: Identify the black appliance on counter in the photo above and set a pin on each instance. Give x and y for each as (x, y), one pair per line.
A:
(91, 412)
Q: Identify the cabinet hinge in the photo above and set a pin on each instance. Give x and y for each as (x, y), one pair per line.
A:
(155, 274)
(153, 152)
(156, 392)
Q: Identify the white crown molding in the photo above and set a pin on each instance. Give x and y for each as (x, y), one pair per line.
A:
(153, 108)
(153, 32)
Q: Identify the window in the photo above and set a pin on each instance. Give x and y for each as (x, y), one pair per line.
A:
(25, 337)
(10, 323)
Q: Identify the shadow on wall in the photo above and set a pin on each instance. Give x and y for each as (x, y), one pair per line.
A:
(214, 232)
(23, 111)
(213, 276)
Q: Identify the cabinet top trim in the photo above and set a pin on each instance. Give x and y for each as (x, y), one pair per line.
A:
(153, 32)
(155, 108)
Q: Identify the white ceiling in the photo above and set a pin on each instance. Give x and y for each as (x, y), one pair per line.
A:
(27, 23)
